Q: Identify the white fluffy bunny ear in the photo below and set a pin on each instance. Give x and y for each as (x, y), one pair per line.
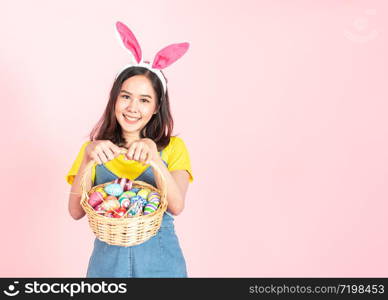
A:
(168, 55)
(129, 40)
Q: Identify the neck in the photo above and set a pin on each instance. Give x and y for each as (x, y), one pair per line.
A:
(131, 137)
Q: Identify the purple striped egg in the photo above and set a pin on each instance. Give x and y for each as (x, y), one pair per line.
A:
(150, 208)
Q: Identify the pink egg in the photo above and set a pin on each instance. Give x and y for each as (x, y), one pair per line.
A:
(95, 199)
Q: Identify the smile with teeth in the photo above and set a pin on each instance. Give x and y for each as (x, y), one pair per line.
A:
(130, 119)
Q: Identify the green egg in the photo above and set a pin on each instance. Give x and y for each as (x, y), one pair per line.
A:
(128, 194)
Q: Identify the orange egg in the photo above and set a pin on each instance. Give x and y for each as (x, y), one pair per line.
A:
(110, 203)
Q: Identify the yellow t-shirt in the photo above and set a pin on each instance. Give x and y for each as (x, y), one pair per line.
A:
(175, 154)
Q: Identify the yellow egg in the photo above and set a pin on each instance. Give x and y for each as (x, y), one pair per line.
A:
(101, 190)
(143, 193)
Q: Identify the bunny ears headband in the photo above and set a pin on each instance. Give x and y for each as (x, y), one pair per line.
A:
(165, 57)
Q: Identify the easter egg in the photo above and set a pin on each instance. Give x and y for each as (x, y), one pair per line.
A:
(128, 186)
(128, 194)
(153, 197)
(95, 199)
(150, 208)
(135, 190)
(155, 200)
(143, 201)
(101, 190)
(121, 181)
(99, 209)
(110, 203)
(119, 213)
(124, 202)
(135, 209)
(109, 214)
(110, 198)
(153, 193)
(135, 199)
(143, 193)
(125, 183)
(114, 189)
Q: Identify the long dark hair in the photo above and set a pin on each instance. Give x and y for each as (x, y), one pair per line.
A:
(159, 128)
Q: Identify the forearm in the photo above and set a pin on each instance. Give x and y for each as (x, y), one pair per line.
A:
(175, 196)
(75, 208)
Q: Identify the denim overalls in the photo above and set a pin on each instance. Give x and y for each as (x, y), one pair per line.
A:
(160, 256)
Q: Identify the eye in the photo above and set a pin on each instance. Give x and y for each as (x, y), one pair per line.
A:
(145, 100)
(125, 96)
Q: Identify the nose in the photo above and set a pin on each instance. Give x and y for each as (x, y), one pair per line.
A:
(132, 105)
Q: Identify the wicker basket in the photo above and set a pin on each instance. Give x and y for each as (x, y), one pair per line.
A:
(128, 231)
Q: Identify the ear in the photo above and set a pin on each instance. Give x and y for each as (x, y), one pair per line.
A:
(129, 40)
(169, 55)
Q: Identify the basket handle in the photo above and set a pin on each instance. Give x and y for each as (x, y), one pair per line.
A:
(87, 174)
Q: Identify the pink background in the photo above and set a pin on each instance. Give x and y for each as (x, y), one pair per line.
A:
(282, 105)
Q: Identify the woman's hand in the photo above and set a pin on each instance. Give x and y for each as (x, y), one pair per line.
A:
(102, 151)
(143, 150)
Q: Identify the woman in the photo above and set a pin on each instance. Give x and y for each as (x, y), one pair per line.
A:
(138, 118)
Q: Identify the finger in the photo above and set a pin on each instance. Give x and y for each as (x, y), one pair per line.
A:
(131, 151)
(120, 150)
(116, 149)
(143, 156)
(96, 158)
(148, 158)
(124, 152)
(94, 155)
(101, 157)
(139, 149)
(104, 156)
(108, 153)
(99, 154)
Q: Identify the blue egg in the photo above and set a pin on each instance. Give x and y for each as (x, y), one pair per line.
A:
(135, 199)
(135, 190)
(114, 189)
(143, 201)
(138, 200)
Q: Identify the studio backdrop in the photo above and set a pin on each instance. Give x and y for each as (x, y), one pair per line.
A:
(282, 106)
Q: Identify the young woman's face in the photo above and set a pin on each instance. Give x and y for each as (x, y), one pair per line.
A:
(135, 104)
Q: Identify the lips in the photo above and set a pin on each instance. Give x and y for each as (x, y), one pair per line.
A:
(130, 120)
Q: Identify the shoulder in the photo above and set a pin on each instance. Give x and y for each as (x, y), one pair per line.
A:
(176, 144)
(176, 152)
(177, 156)
(82, 150)
(85, 144)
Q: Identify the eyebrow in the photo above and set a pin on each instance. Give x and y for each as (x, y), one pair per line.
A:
(124, 91)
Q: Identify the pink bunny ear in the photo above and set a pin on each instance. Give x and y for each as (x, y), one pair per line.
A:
(169, 55)
(129, 40)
